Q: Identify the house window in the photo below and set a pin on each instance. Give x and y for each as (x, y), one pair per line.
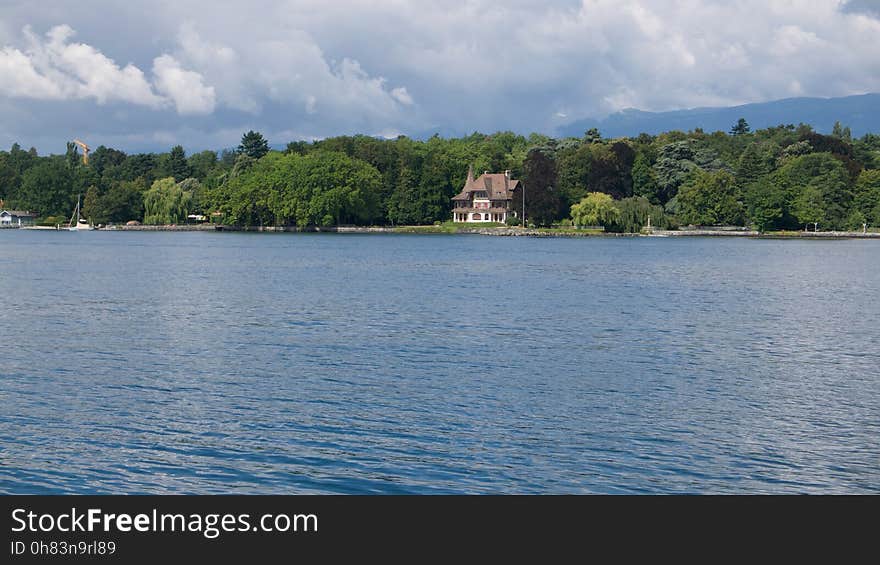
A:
(477, 217)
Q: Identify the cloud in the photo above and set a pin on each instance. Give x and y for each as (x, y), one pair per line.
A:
(55, 68)
(401, 95)
(290, 71)
(185, 88)
(319, 68)
(77, 70)
(18, 77)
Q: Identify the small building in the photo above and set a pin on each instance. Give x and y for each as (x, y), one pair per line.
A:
(489, 198)
(17, 218)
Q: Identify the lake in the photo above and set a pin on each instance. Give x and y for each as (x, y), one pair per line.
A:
(235, 363)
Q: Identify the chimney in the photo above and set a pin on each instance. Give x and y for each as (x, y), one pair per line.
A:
(507, 173)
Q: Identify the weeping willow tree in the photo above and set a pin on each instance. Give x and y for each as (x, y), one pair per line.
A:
(166, 203)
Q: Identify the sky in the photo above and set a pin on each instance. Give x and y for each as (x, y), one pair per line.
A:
(149, 74)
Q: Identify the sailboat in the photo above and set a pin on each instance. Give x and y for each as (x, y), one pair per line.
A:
(77, 222)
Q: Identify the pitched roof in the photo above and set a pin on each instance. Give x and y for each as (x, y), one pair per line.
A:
(498, 186)
(21, 213)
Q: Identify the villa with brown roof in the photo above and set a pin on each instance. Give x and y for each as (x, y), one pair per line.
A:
(486, 199)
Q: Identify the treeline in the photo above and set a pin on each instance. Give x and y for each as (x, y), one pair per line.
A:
(784, 177)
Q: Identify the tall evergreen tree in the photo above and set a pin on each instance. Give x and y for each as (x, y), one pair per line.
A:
(753, 164)
(177, 164)
(253, 144)
(741, 127)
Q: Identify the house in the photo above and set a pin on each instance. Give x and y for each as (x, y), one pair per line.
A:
(17, 218)
(486, 199)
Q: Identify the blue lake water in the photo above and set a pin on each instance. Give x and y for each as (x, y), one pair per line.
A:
(288, 364)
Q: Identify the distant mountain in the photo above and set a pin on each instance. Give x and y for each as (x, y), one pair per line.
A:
(861, 113)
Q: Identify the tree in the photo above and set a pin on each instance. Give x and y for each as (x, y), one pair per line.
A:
(124, 201)
(867, 196)
(177, 165)
(644, 179)
(542, 194)
(253, 144)
(827, 174)
(596, 209)
(710, 199)
(675, 164)
(105, 160)
(202, 164)
(841, 132)
(91, 206)
(634, 214)
(741, 127)
(46, 188)
(319, 189)
(141, 165)
(765, 204)
(596, 167)
(72, 155)
(809, 206)
(592, 135)
(402, 205)
(166, 203)
(753, 164)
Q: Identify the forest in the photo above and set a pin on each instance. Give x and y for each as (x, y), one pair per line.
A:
(784, 177)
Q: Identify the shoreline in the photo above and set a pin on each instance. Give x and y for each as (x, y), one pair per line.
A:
(496, 231)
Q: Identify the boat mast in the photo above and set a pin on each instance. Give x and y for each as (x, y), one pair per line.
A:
(74, 220)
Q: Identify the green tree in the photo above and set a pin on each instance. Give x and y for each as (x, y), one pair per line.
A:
(403, 205)
(809, 206)
(202, 164)
(827, 174)
(644, 179)
(107, 161)
(46, 188)
(867, 196)
(710, 199)
(166, 203)
(124, 201)
(592, 135)
(754, 163)
(72, 155)
(319, 189)
(596, 209)
(741, 127)
(540, 184)
(177, 164)
(253, 144)
(634, 214)
(765, 204)
(92, 206)
(841, 132)
(678, 161)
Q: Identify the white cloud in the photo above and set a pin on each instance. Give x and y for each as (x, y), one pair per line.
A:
(18, 77)
(291, 71)
(401, 95)
(322, 68)
(185, 88)
(79, 71)
(55, 68)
